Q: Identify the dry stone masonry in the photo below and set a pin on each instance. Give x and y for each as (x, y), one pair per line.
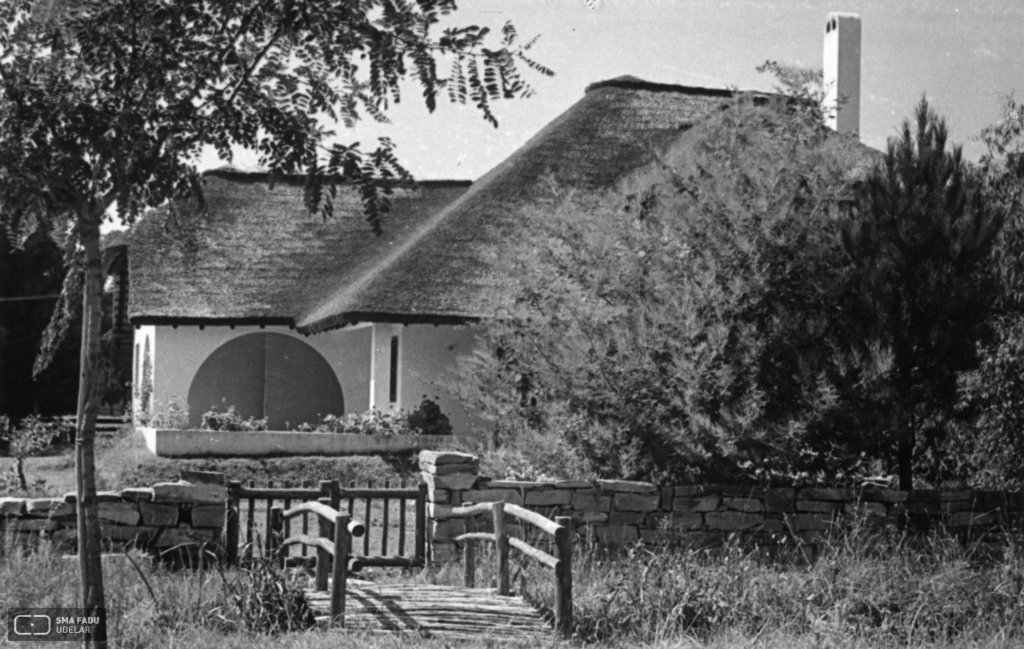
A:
(182, 514)
(704, 516)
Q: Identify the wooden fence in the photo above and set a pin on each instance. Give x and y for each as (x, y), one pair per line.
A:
(335, 553)
(395, 520)
(561, 561)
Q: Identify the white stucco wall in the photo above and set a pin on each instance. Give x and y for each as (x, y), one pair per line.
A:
(360, 357)
(181, 351)
(428, 357)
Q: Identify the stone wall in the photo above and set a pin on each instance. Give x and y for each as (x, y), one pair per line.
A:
(186, 513)
(703, 516)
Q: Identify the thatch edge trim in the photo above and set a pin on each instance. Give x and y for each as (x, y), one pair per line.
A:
(326, 324)
(164, 320)
(640, 84)
(357, 317)
(235, 174)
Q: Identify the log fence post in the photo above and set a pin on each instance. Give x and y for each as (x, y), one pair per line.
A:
(342, 548)
(232, 532)
(323, 557)
(421, 525)
(563, 576)
(469, 555)
(268, 525)
(250, 527)
(326, 527)
(275, 536)
(501, 547)
(385, 521)
(335, 495)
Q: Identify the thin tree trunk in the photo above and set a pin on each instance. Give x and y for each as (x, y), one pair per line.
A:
(905, 453)
(89, 539)
(22, 479)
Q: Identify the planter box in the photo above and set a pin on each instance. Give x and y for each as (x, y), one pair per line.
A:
(215, 443)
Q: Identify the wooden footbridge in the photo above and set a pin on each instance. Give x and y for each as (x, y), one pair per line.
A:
(452, 612)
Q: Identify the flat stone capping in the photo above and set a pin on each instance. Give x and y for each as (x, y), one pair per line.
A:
(167, 515)
(701, 516)
(217, 443)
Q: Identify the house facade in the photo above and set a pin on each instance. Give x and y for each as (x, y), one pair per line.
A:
(261, 306)
(216, 317)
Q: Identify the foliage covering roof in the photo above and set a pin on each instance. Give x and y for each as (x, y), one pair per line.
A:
(263, 256)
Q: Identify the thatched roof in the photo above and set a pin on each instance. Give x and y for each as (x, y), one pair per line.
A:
(259, 256)
(263, 258)
(446, 269)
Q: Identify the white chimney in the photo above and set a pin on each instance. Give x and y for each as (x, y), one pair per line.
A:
(842, 72)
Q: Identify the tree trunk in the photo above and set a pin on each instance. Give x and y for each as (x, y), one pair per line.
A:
(22, 479)
(905, 453)
(89, 539)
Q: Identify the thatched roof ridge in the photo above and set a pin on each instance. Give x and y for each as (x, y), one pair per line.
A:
(447, 269)
(258, 256)
(629, 82)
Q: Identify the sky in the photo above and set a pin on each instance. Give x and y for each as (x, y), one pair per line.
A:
(963, 54)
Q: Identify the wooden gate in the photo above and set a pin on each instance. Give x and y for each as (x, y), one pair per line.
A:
(394, 516)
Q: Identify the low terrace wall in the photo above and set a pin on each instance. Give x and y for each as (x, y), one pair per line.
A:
(704, 516)
(268, 443)
(183, 514)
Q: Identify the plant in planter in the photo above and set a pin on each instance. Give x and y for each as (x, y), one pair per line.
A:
(230, 420)
(426, 419)
(168, 415)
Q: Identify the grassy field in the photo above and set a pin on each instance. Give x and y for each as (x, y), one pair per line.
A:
(865, 591)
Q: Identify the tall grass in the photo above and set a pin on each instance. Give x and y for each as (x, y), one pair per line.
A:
(149, 602)
(867, 589)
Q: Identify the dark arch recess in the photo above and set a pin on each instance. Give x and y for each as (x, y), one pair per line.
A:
(268, 375)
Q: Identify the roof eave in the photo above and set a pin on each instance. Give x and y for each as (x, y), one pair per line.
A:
(355, 317)
(176, 321)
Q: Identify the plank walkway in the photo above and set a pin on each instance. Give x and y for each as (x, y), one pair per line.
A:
(429, 611)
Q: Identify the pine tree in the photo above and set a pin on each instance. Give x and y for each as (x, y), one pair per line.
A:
(920, 241)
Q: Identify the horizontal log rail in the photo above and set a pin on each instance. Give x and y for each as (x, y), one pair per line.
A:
(312, 541)
(317, 508)
(540, 555)
(537, 520)
(355, 528)
(278, 493)
(358, 563)
(561, 561)
(475, 536)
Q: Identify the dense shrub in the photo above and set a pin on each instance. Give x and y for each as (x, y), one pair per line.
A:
(23, 440)
(986, 442)
(686, 333)
(777, 306)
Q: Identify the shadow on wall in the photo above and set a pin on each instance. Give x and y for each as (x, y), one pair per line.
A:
(266, 375)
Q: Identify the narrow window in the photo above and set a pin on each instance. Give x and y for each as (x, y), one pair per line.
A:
(393, 387)
(135, 378)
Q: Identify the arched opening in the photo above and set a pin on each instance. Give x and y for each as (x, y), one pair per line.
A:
(268, 375)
